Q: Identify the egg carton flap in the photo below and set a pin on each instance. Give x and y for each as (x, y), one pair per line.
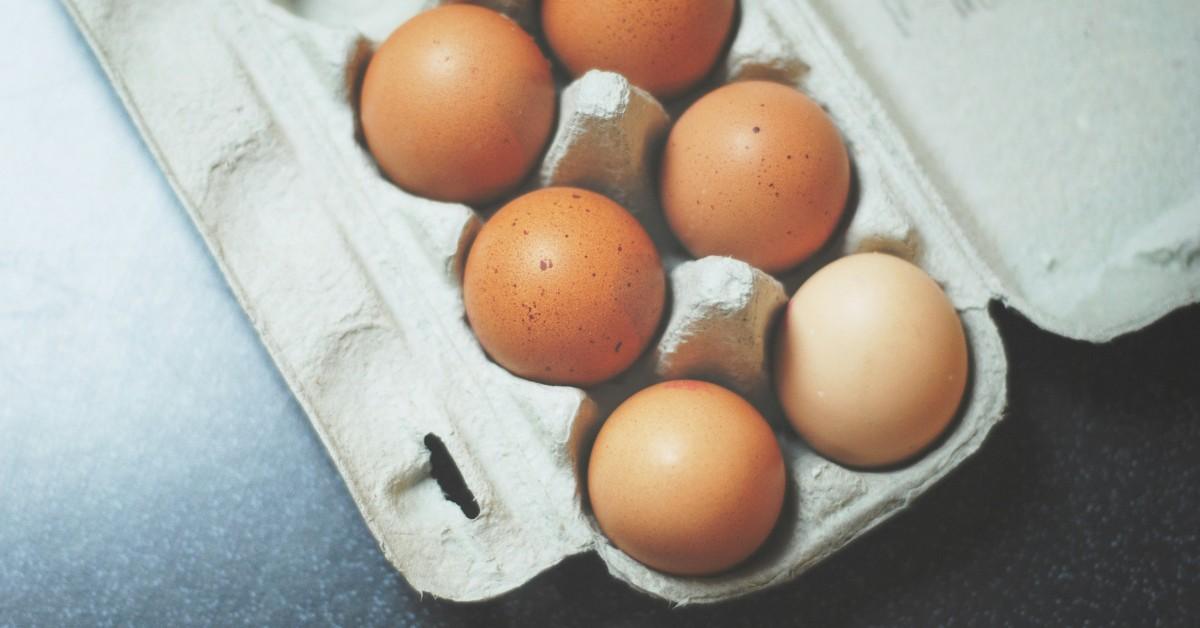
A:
(1062, 137)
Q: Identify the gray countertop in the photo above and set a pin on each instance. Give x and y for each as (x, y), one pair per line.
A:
(155, 470)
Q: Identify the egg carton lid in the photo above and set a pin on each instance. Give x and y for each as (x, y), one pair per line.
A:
(1062, 137)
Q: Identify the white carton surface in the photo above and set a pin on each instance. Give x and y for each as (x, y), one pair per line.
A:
(353, 284)
(1062, 137)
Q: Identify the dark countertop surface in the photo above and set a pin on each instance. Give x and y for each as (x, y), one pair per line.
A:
(155, 470)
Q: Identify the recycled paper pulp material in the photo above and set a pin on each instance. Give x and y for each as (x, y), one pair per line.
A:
(1062, 137)
(353, 284)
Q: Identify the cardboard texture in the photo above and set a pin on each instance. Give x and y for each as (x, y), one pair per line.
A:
(353, 284)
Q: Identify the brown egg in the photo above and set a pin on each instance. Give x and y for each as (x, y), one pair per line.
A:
(871, 360)
(564, 286)
(757, 171)
(686, 477)
(662, 46)
(457, 104)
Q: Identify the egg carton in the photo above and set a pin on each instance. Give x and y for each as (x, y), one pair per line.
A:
(354, 285)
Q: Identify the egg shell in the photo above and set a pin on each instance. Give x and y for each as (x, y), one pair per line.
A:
(871, 362)
(757, 171)
(686, 477)
(564, 286)
(458, 104)
(663, 46)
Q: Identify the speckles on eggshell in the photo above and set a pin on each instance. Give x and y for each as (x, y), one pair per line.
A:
(576, 278)
(462, 149)
(663, 46)
(755, 191)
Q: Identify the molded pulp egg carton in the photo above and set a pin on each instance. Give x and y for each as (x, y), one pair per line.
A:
(1084, 215)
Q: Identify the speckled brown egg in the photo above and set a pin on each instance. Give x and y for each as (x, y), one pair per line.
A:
(757, 171)
(564, 286)
(662, 46)
(871, 360)
(458, 104)
(686, 477)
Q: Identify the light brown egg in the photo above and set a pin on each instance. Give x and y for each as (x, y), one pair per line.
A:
(870, 361)
(662, 46)
(458, 104)
(757, 171)
(564, 286)
(686, 477)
